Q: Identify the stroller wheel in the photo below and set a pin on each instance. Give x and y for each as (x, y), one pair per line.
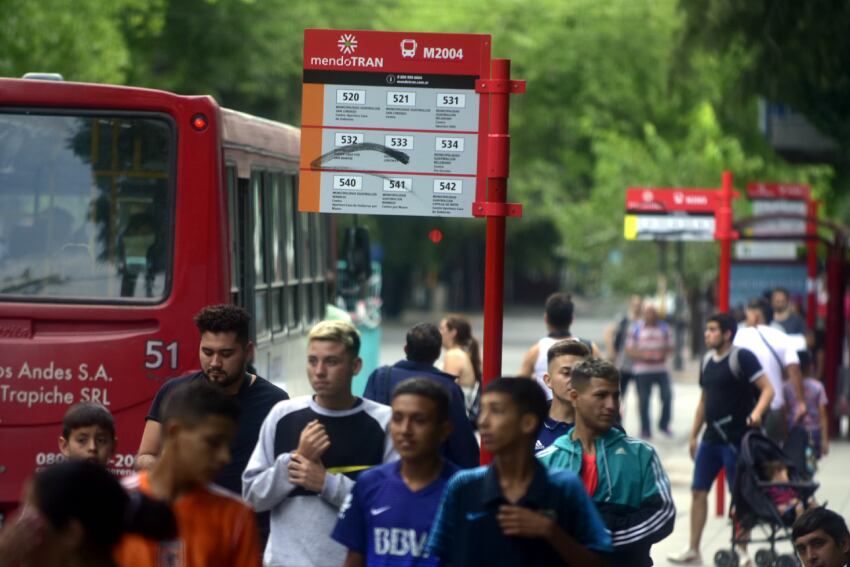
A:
(786, 561)
(765, 558)
(726, 558)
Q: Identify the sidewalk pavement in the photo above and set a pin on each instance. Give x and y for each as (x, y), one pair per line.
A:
(832, 476)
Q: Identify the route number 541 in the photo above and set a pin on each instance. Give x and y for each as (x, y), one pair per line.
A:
(156, 353)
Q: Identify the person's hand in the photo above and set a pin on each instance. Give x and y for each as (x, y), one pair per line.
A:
(754, 420)
(692, 447)
(19, 537)
(306, 473)
(522, 522)
(800, 411)
(314, 441)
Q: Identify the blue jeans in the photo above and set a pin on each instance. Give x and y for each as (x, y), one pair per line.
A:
(644, 388)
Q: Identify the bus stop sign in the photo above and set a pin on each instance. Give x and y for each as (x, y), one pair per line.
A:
(392, 123)
(670, 214)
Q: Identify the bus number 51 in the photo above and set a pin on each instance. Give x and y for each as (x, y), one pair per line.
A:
(155, 354)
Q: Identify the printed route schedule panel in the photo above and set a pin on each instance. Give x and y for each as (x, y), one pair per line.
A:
(391, 123)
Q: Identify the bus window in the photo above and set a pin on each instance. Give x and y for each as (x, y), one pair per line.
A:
(289, 225)
(238, 191)
(260, 230)
(275, 188)
(235, 257)
(85, 206)
(305, 274)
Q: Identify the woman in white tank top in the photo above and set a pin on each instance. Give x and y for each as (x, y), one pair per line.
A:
(463, 358)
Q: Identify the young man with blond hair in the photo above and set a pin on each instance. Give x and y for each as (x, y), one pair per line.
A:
(311, 449)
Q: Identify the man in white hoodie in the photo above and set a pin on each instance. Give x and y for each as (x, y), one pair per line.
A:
(311, 450)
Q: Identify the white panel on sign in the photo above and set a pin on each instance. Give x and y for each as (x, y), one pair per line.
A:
(353, 182)
(397, 142)
(449, 144)
(350, 96)
(451, 100)
(395, 98)
(398, 184)
(452, 186)
(776, 250)
(771, 206)
(675, 227)
(347, 138)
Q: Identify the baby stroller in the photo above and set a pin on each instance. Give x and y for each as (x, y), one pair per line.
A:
(753, 507)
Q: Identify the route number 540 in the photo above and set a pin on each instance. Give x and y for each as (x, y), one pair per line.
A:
(156, 353)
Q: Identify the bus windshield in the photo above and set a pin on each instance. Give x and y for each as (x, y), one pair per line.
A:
(85, 205)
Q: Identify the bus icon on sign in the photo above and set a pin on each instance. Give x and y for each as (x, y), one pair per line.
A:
(408, 48)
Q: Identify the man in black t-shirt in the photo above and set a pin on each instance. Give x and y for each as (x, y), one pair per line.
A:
(727, 408)
(225, 351)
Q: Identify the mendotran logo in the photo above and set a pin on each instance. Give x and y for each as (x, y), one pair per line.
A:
(343, 61)
(347, 43)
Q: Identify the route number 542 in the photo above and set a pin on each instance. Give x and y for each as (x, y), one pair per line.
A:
(156, 353)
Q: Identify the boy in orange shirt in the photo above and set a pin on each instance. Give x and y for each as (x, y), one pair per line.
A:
(214, 526)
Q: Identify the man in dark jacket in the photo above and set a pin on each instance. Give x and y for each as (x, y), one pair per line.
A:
(422, 349)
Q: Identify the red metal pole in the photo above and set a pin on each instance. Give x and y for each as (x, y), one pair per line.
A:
(812, 257)
(835, 326)
(494, 267)
(723, 233)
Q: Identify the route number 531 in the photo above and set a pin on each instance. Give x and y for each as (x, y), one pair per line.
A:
(156, 353)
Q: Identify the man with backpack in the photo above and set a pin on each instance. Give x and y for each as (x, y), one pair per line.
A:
(422, 349)
(729, 377)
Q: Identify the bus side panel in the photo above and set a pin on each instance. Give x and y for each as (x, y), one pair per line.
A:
(57, 354)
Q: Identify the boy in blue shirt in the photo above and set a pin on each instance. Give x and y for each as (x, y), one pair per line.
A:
(385, 519)
(515, 512)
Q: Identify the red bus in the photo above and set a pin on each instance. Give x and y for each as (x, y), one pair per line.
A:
(123, 211)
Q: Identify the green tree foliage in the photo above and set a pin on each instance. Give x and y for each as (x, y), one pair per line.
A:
(85, 40)
(796, 52)
(620, 93)
(245, 53)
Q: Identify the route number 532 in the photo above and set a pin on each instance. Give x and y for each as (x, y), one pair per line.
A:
(156, 353)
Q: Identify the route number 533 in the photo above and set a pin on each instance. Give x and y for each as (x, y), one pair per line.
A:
(157, 352)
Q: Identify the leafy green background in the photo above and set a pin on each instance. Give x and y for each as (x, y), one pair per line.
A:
(620, 93)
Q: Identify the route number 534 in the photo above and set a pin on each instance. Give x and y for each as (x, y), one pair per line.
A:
(156, 353)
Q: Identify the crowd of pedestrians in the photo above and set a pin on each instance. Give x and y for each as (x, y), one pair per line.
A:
(233, 472)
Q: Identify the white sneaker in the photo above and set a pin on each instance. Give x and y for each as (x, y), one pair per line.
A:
(744, 559)
(686, 557)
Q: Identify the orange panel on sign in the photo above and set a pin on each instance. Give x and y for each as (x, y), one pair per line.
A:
(313, 104)
(309, 191)
(311, 146)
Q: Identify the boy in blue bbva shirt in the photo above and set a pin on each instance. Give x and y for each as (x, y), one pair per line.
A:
(386, 518)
